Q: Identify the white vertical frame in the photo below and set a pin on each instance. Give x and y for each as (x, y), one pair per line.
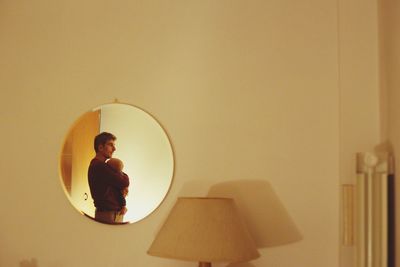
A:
(372, 210)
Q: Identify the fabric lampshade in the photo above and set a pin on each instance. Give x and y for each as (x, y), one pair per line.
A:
(204, 230)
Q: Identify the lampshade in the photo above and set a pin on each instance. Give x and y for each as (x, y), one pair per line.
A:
(204, 230)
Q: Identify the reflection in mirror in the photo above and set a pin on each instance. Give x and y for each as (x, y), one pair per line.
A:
(141, 145)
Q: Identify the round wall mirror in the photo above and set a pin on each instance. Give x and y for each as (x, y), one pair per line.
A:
(142, 146)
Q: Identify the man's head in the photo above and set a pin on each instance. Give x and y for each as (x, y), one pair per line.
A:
(104, 144)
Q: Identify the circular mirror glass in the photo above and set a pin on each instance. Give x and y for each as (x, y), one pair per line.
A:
(143, 148)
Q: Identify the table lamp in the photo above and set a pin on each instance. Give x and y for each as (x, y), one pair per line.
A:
(204, 230)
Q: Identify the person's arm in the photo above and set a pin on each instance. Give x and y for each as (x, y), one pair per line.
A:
(116, 179)
(123, 210)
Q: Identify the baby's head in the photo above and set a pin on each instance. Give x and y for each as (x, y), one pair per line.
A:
(116, 164)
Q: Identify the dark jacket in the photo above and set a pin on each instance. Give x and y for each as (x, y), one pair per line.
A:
(106, 185)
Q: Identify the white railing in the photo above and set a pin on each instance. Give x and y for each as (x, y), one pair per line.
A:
(371, 209)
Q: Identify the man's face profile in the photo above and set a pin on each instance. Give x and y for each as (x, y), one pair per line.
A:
(107, 149)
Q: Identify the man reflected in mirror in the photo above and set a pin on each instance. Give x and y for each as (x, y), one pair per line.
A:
(106, 183)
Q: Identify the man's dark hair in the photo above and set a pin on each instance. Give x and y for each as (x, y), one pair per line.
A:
(102, 138)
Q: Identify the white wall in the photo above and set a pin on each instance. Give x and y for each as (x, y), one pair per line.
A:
(245, 90)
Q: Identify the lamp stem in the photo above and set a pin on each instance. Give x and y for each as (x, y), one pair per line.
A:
(204, 264)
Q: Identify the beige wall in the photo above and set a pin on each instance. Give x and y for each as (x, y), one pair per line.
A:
(359, 94)
(245, 90)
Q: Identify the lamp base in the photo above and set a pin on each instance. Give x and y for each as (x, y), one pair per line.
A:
(204, 264)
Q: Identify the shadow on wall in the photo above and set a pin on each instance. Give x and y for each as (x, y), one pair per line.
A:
(196, 188)
(266, 218)
(29, 263)
(387, 147)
